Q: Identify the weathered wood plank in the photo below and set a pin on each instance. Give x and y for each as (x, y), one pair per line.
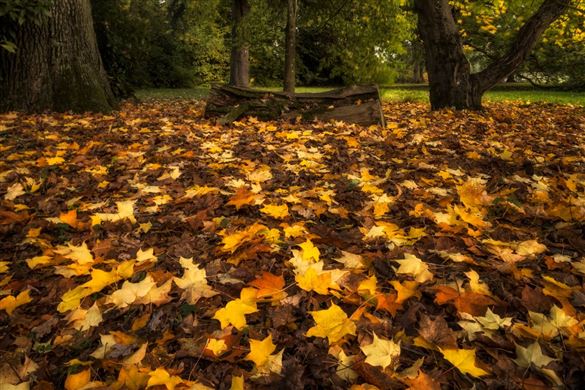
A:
(359, 104)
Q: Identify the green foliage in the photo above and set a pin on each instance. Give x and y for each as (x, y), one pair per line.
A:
(339, 41)
(15, 13)
(490, 26)
(149, 43)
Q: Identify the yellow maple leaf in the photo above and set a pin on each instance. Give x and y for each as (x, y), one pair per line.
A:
(260, 350)
(464, 361)
(143, 292)
(194, 282)
(231, 242)
(99, 280)
(10, 303)
(331, 323)
(276, 211)
(78, 380)
(144, 256)
(125, 210)
(80, 254)
(160, 376)
(350, 260)
(314, 279)
(368, 286)
(3, 267)
(132, 378)
(82, 319)
(381, 352)
(216, 346)
(309, 251)
(235, 311)
(14, 191)
(412, 265)
(405, 290)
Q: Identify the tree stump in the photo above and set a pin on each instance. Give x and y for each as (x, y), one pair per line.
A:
(359, 104)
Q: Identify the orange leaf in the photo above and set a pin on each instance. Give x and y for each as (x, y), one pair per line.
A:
(466, 302)
(269, 286)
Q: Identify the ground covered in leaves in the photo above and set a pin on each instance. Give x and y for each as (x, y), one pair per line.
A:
(151, 248)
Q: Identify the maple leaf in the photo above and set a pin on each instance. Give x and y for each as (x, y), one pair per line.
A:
(531, 355)
(464, 361)
(231, 242)
(465, 301)
(217, 347)
(160, 376)
(405, 290)
(276, 211)
(99, 280)
(473, 193)
(260, 350)
(78, 380)
(136, 357)
(381, 352)
(350, 260)
(82, 319)
(235, 311)
(415, 267)
(143, 292)
(14, 191)
(269, 287)
(194, 282)
(243, 197)
(315, 279)
(79, 254)
(309, 251)
(132, 378)
(345, 363)
(331, 323)
(125, 211)
(10, 303)
(145, 256)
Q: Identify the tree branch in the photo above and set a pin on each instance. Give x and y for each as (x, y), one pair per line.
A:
(527, 36)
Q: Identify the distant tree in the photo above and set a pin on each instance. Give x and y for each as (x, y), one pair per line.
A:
(452, 83)
(290, 46)
(55, 63)
(240, 54)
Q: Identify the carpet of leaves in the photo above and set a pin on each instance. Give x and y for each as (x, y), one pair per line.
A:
(151, 248)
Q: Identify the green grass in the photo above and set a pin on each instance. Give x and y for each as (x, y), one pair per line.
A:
(401, 93)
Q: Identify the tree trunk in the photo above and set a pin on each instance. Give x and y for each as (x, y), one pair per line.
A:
(240, 56)
(57, 65)
(290, 47)
(450, 78)
(448, 68)
(360, 105)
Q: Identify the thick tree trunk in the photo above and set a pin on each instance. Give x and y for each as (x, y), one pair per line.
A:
(57, 65)
(450, 78)
(240, 56)
(290, 47)
(448, 69)
(360, 105)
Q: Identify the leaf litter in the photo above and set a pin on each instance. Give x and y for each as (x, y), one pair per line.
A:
(151, 248)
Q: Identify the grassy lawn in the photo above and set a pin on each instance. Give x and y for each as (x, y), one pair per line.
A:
(401, 92)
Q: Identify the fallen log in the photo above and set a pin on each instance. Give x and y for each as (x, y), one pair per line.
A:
(359, 104)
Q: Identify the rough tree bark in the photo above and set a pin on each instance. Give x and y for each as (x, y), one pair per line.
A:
(450, 78)
(240, 56)
(290, 47)
(360, 105)
(57, 65)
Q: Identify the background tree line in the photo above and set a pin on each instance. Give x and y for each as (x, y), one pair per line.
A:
(184, 43)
